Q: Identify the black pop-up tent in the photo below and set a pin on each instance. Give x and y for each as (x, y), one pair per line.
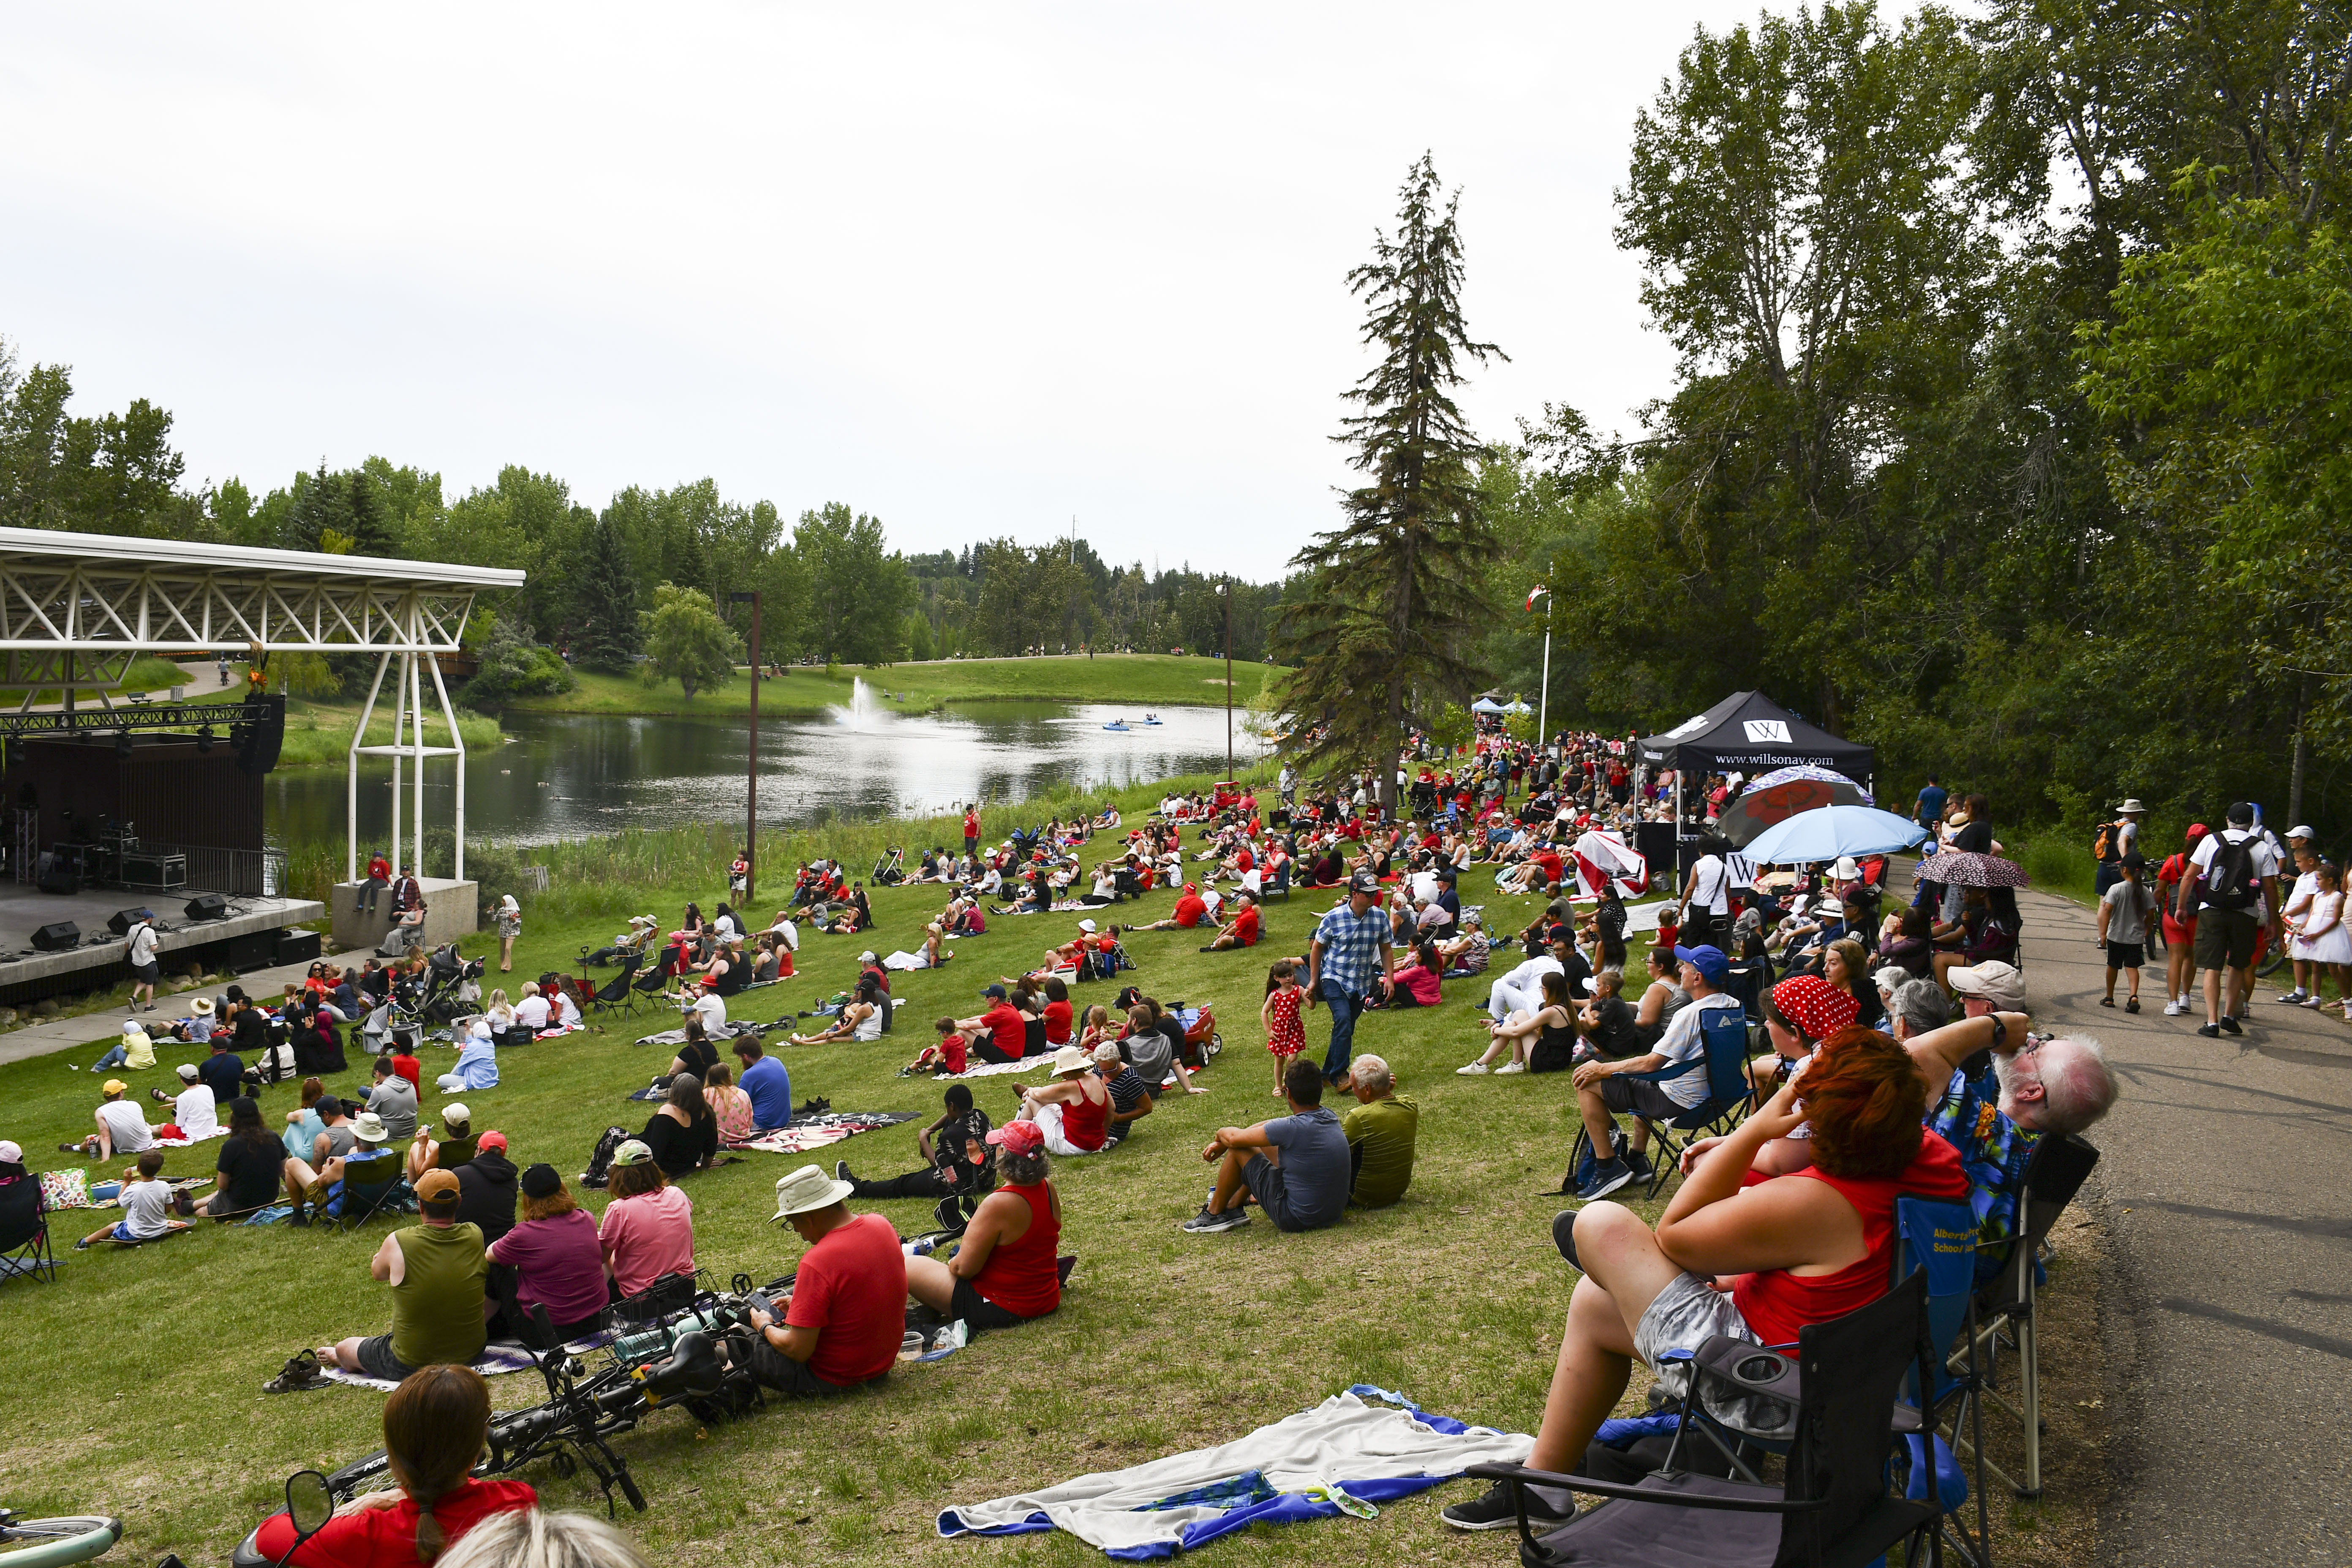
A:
(1748, 732)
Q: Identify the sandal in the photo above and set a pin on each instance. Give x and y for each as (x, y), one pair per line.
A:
(2132, 1005)
(301, 1371)
(2106, 1001)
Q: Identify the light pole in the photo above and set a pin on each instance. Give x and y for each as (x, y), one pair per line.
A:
(1225, 592)
(1543, 703)
(751, 760)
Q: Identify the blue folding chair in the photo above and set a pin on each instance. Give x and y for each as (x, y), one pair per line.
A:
(1939, 1241)
(1724, 1048)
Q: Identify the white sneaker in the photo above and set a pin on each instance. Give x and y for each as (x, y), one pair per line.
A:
(1476, 1069)
(1510, 1068)
(2174, 1008)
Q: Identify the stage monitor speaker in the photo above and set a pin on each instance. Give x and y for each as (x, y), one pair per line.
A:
(58, 937)
(208, 906)
(292, 946)
(121, 921)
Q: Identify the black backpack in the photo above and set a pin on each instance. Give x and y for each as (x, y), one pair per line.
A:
(2230, 880)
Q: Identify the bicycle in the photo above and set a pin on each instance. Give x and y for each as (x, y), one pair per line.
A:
(53, 1542)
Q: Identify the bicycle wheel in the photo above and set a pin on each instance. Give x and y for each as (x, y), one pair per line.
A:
(50, 1543)
(2272, 962)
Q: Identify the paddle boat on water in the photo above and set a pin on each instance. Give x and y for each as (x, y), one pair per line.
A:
(1120, 725)
(1151, 718)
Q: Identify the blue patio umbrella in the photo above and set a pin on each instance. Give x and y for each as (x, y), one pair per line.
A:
(1830, 831)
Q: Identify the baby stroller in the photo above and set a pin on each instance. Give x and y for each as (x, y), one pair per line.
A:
(890, 870)
(442, 995)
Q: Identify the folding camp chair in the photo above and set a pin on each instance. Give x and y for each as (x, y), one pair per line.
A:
(1724, 1051)
(617, 994)
(1278, 886)
(1834, 1505)
(2006, 1307)
(362, 1201)
(650, 984)
(1938, 1242)
(25, 1230)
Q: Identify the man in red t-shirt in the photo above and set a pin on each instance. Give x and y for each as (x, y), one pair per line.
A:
(971, 830)
(1241, 930)
(1555, 869)
(999, 1035)
(1192, 910)
(847, 1314)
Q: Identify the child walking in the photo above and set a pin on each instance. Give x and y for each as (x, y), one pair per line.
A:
(1286, 1035)
(2322, 942)
(2124, 910)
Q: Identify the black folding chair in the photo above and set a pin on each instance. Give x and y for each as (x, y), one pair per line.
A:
(617, 994)
(650, 984)
(24, 1229)
(2006, 1306)
(1834, 1507)
(361, 1202)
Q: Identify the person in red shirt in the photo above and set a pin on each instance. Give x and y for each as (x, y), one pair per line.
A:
(1005, 1272)
(1241, 930)
(999, 1035)
(405, 1062)
(847, 1314)
(1057, 1014)
(1192, 910)
(435, 1426)
(1643, 1293)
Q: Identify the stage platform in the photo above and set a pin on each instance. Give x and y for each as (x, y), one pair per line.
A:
(246, 939)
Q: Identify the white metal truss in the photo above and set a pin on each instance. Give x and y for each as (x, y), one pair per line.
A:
(408, 718)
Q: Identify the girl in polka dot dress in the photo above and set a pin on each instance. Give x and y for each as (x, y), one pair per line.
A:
(1285, 1037)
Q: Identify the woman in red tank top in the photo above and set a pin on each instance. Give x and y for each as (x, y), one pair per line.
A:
(1753, 1262)
(1074, 1110)
(1005, 1272)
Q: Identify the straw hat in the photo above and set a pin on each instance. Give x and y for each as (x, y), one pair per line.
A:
(1071, 1059)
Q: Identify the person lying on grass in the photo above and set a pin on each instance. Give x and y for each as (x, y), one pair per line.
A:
(1754, 1263)
(962, 1169)
(146, 1206)
(1295, 1167)
(1005, 1272)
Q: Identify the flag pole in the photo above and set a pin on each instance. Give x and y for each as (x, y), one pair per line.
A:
(1543, 702)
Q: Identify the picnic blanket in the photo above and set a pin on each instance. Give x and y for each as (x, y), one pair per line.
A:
(1344, 1456)
(809, 1132)
(495, 1361)
(728, 1030)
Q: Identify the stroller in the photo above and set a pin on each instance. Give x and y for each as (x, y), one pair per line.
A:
(445, 993)
(890, 870)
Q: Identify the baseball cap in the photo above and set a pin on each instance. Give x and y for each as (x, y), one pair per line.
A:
(541, 1182)
(1708, 960)
(491, 1140)
(995, 991)
(12, 1155)
(328, 1105)
(866, 957)
(2301, 833)
(187, 1072)
(1018, 1138)
(1363, 882)
(633, 1152)
(1992, 981)
(455, 1114)
(2241, 813)
(1561, 933)
(437, 1189)
(114, 1086)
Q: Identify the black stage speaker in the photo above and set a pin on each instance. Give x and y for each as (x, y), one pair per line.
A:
(259, 732)
(58, 937)
(57, 876)
(254, 949)
(292, 946)
(121, 921)
(208, 906)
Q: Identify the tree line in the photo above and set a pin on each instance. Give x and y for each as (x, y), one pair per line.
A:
(617, 584)
(2008, 430)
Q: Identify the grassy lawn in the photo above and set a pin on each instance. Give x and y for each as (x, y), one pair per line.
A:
(1143, 680)
(1164, 1341)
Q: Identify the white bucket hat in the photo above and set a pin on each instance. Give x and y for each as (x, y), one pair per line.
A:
(806, 1189)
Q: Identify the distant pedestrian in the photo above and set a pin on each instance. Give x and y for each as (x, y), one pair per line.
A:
(2233, 888)
(2113, 842)
(972, 831)
(1929, 809)
(510, 922)
(2124, 910)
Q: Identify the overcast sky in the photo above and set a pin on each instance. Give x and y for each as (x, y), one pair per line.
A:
(975, 268)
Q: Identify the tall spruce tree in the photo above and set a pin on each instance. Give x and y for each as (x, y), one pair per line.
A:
(610, 632)
(1394, 617)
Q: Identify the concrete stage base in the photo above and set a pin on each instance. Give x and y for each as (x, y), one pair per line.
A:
(452, 910)
(25, 974)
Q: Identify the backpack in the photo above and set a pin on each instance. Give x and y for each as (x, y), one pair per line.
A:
(2103, 842)
(600, 1163)
(2230, 882)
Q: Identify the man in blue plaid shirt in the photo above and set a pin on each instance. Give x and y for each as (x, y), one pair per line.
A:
(1350, 956)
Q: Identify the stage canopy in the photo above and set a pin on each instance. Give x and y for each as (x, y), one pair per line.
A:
(1748, 732)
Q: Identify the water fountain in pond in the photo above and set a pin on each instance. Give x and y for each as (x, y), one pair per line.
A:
(859, 714)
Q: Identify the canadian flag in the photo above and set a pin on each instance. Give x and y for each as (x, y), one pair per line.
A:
(1538, 592)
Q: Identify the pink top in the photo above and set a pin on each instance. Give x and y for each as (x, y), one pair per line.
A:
(647, 1236)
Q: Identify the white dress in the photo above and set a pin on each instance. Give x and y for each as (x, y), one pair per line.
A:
(2333, 945)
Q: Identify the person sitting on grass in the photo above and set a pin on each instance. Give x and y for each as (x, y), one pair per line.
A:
(1602, 1089)
(249, 1165)
(860, 1019)
(647, 1231)
(1005, 1273)
(1380, 1129)
(1802, 1249)
(729, 1106)
(392, 1097)
(1414, 984)
(1295, 1167)
(947, 1055)
(1605, 1025)
(1154, 1047)
(1547, 1032)
(960, 1169)
(357, 1141)
(1190, 911)
(135, 1050)
(121, 1127)
(1130, 1097)
(683, 1133)
(769, 1086)
(999, 1035)
(847, 1312)
(146, 1201)
(1073, 1109)
(556, 1260)
(1241, 930)
(194, 1115)
(436, 1269)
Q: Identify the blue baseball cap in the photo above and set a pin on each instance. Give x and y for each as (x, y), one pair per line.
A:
(1708, 960)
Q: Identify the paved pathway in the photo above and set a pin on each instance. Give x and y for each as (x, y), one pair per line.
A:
(74, 1033)
(2225, 1182)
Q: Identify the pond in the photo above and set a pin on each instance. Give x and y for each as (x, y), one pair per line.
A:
(573, 775)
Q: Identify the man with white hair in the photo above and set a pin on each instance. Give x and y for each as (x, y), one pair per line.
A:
(1381, 1131)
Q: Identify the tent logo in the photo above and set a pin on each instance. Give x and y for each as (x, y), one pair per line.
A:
(1761, 730)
